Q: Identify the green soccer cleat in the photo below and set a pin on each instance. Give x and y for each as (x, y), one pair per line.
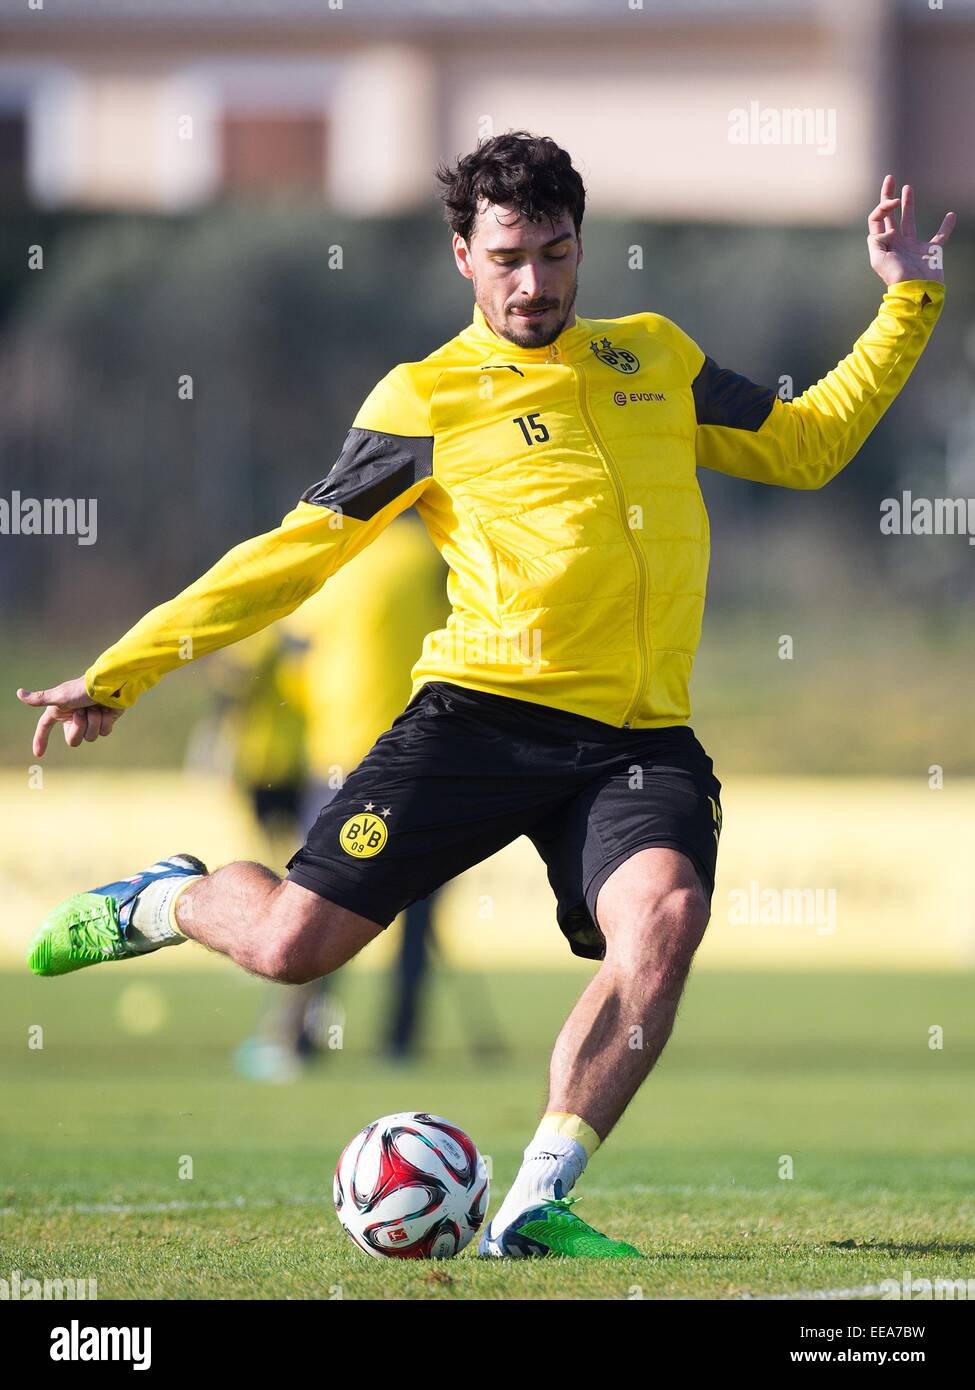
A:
(551, 1228)
(90, 928)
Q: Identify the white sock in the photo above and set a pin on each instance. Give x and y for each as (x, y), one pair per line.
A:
(153, 920)
(552, 1165)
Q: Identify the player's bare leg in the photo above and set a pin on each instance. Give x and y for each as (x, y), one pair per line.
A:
(274, 928)
(653, 913)
(271, 926)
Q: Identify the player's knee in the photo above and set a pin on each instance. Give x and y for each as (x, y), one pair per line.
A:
(285, 952)
(688, 909)
(661, 930)
(306, 936)
(285, 958)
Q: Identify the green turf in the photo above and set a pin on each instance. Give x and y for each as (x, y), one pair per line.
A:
(834, 1070)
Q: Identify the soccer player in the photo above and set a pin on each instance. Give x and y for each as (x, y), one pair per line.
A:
(553, 461)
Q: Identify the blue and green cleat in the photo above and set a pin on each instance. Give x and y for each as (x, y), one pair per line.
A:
(552, 1228)
(90, 928)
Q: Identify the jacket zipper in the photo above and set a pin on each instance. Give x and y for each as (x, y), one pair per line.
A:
(641, 564)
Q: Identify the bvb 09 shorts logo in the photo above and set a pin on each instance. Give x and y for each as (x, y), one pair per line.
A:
(363, 835)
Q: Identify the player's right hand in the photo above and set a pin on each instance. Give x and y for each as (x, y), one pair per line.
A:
(71, 705)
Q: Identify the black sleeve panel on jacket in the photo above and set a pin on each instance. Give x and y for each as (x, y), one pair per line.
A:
(725, 398)
(372, 470)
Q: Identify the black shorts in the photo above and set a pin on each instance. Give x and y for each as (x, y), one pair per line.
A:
(461, 773)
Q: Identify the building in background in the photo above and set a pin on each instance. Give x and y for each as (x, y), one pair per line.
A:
(167, 104)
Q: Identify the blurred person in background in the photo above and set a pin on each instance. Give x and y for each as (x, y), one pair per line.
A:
(255, 731)
(343, 663)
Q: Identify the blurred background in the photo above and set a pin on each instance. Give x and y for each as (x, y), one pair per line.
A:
(241, 194)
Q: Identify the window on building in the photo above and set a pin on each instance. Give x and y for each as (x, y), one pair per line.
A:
(263, 151)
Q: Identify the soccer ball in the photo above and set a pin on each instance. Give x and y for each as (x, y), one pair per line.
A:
(411, 1187)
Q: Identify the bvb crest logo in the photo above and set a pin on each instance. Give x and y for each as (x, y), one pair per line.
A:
(363, 835)
(620, 359)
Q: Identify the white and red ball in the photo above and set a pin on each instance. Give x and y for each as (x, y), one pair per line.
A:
(411, 1186)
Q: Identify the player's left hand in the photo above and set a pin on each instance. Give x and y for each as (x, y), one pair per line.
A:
(896, 253)
(69, 704)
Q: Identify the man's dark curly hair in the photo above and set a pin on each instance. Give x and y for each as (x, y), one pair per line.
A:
(527, 172)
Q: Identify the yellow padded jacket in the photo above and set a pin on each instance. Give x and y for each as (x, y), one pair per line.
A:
(560, 486)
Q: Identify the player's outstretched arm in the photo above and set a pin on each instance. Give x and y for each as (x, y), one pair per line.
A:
(253, 585)
(745, 430)
(385, 465)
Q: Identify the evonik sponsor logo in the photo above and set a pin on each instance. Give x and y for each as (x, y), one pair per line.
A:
(623, 397)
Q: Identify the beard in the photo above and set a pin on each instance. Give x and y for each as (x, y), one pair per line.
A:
(522, 332)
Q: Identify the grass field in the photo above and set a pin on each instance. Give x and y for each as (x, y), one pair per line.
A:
(832, 1069)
